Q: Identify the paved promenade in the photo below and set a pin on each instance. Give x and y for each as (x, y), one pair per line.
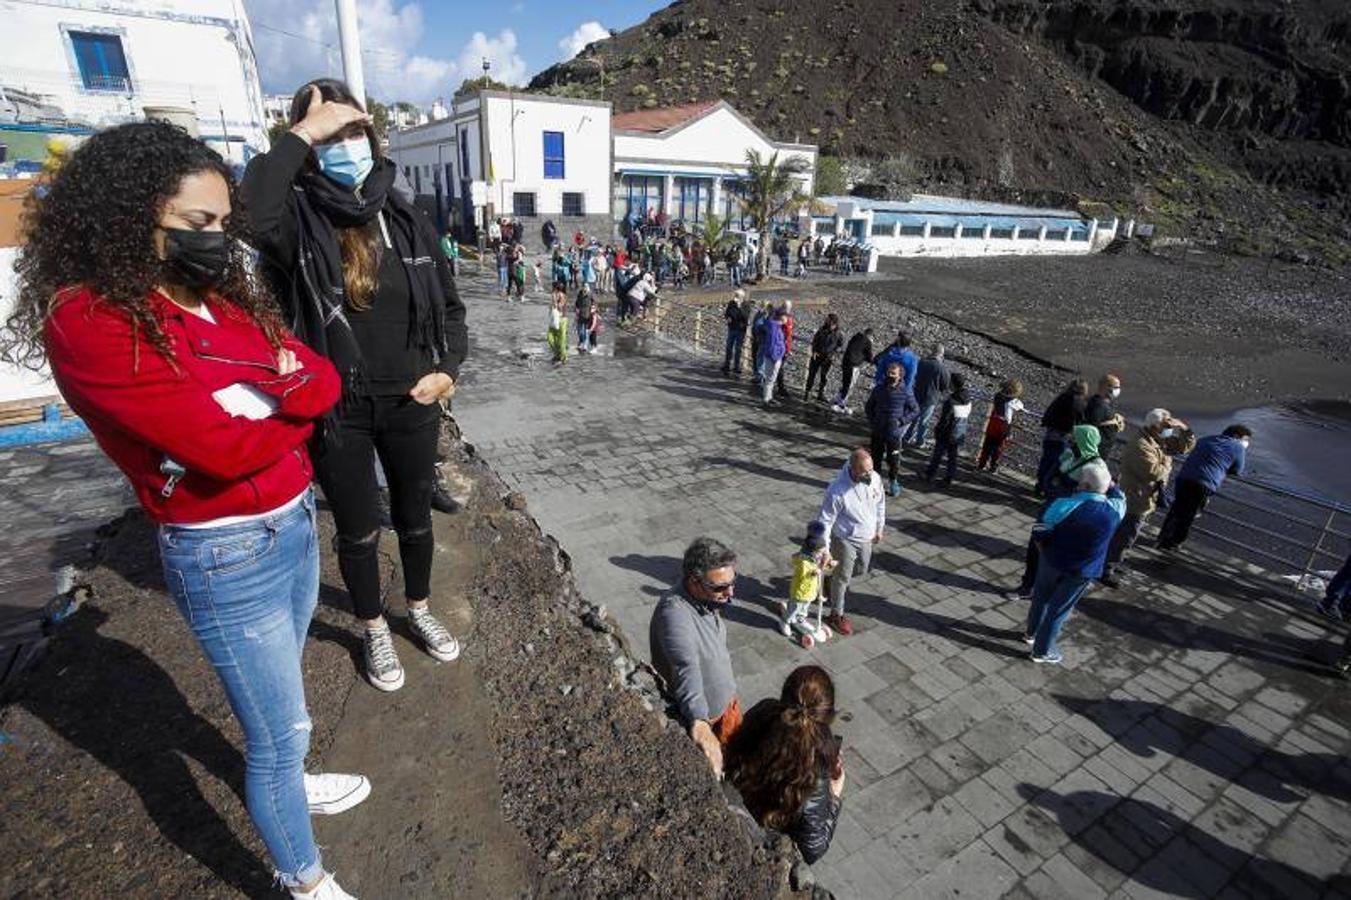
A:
(1193, 744)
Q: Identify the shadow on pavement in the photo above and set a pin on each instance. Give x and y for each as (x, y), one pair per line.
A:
(767, 471)
(1003, 642)
(1184, 634)
(1222, 750)
(127, 713)
(1131, 829)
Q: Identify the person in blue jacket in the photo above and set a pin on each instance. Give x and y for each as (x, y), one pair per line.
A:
(898, 352)
(1214, 459)
(890, 408)
(1073, 534)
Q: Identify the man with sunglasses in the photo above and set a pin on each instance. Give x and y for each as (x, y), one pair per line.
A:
(688, 640)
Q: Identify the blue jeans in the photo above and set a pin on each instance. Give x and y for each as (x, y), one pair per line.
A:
(247, 592)
(731, 357)
(918, 430)
(1054, 595)
(734, 274)
(945, 451)
(583, 336)
(502, 279)
(1052, 445)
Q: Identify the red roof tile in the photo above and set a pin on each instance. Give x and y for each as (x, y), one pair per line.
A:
(658, 120)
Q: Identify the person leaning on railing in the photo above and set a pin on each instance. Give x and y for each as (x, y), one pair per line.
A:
(1146, 463)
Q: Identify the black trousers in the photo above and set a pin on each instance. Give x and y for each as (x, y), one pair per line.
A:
(1189, 498)
(819, 366)
(404, 433)
(884, 448)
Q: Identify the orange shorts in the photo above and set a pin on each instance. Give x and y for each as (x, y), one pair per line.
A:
(727, 723)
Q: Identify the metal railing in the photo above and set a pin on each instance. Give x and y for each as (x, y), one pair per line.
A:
(1295, 534)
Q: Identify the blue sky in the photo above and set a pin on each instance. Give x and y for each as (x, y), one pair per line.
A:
(422, 49)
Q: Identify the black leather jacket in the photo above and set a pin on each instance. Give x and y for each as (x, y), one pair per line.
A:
(814, 829)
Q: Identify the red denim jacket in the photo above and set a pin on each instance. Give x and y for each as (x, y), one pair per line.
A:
(144, 410)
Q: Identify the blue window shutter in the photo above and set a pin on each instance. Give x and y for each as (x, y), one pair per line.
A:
(553, 154)
(103, 65)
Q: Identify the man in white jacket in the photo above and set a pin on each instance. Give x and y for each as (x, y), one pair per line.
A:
(854, 514)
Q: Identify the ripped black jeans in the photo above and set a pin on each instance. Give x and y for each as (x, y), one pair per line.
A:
(404, 433)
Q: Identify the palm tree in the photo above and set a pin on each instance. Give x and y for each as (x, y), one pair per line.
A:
(711, 232)
(770, 189)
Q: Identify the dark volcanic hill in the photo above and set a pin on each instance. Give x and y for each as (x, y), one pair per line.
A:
(1226, 119)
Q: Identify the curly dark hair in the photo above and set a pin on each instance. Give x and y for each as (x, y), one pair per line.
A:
(93, 226)
(775, 759)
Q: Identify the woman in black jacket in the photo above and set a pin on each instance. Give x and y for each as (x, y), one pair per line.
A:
(786, 762)
(826, 345)
(361, 281)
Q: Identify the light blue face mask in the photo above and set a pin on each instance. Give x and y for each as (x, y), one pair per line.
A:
(346, 162)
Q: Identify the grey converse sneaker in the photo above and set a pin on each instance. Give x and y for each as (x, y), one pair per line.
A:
(382, 663)
(438, 641)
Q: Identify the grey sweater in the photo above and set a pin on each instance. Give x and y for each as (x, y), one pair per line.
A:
(689, 651)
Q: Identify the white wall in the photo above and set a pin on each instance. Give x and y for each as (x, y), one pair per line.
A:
(517, 153)
(428, 148)
(196, 54)
(15, 383)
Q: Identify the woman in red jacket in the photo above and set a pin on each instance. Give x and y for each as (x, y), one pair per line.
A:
(131, 287)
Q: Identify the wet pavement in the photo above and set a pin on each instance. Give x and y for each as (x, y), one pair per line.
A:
(1194, 743)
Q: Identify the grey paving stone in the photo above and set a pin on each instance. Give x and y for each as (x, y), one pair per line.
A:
(889, 800)
(977, 872)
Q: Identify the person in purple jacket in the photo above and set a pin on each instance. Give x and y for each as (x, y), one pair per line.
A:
(772, 351)
(1214, 459)
(1073, 535)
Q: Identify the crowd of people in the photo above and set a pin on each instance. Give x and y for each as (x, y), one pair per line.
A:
(224, 384)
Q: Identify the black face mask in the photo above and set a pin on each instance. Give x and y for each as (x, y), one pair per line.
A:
(196, 259)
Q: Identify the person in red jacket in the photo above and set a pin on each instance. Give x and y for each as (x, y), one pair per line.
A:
(355, 266)
(132, 288)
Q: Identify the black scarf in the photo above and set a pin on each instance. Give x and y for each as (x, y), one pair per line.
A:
(319, 311)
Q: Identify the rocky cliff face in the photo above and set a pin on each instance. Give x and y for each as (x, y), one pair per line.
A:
(1280, 69)
(1215, 117)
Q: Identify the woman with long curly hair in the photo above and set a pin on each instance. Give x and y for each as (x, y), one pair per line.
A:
(786, 762)
(133, 288)
(362, 282)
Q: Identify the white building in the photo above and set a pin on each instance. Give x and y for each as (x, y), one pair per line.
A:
(535, 157)
(927, 225)
(277, 108)
(102, 62)
(688, 161)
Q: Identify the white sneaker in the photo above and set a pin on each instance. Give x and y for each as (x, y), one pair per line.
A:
(785, 629)
(327, 889)
(434, 636)
(383, 670)
(330, 793)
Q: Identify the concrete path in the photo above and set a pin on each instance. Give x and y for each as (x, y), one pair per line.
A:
(1193, 745)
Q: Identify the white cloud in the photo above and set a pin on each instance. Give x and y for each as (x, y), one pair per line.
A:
(500, 51)
(586, 33)
(389, 34)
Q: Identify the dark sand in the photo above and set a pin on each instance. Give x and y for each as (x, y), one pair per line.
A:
(1204, 333)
